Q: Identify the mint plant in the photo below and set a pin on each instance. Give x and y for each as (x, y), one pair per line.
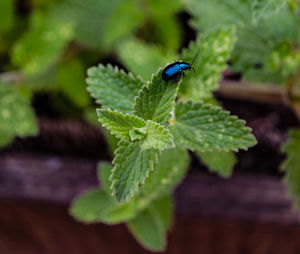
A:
(267, 51)
(156, 123)
(262, 26)
(16, 116)
(291, 165)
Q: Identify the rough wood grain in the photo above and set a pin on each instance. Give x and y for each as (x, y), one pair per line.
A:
(39, 227)
(59, 179)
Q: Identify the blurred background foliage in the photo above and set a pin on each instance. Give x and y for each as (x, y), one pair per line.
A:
(47, 45)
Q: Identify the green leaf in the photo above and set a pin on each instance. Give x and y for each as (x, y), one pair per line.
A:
(94, 20)
(5, 139)
(284, 59)
(164, 24)
(71, 80)
(16, 115)
(119, 124)
(104, 172)
(143, 59)
(131, 128)
(113, 88)
(163, 7)
(125, 19)
(42, 44)
(207, 128)
(155, 100)
(219, 162)
(137, 133)
(215, 49)
(158, 137)
(291, 165)
(96, 206)
(265, 8)
(132, 167)
(172, 166)
(255, 40)
(167, 30)
(6, 14)
(151, 225)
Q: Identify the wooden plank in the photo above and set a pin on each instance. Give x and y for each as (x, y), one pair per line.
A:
(39, 227)
(60, 179)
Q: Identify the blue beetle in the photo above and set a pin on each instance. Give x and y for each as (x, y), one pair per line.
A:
(174, 70)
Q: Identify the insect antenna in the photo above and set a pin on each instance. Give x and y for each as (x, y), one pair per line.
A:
(195, 57)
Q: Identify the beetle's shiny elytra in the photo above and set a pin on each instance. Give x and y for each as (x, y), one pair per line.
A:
(173, 70)
(176, 69)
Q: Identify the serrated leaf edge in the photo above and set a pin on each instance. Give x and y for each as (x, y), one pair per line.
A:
(115, 69)
(136, 185)
(125, 115)
(186, 144)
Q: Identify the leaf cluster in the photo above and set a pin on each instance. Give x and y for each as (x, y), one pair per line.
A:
(291, 165)
(49, 44)
(156, 126)
(262, 27)
(16, 116)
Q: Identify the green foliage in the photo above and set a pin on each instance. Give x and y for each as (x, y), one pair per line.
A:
(73, 85)
(6, 14)
(98, 24)
(291, 165)
(207, 128)
(119, 124)
(142, 136)
(95, 22)
(132, 167)
(200, 126)
(215, 48)
(165, 26)
(132, 128)
(284, 59)
(42, 44)
(151, 225)
(256, 40)
(219, 162)
(113, 88)
(173, 37)
(195, 126)
(149, 162)
(16, 115)
(155, 100)
(142, 58)
(96, 206)
(104, 172)
(172, 166)
(265, 8)
(157, 137)
(118, 25)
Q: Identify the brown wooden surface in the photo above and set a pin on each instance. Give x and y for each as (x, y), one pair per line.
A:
(37, 227)
(59, 179)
